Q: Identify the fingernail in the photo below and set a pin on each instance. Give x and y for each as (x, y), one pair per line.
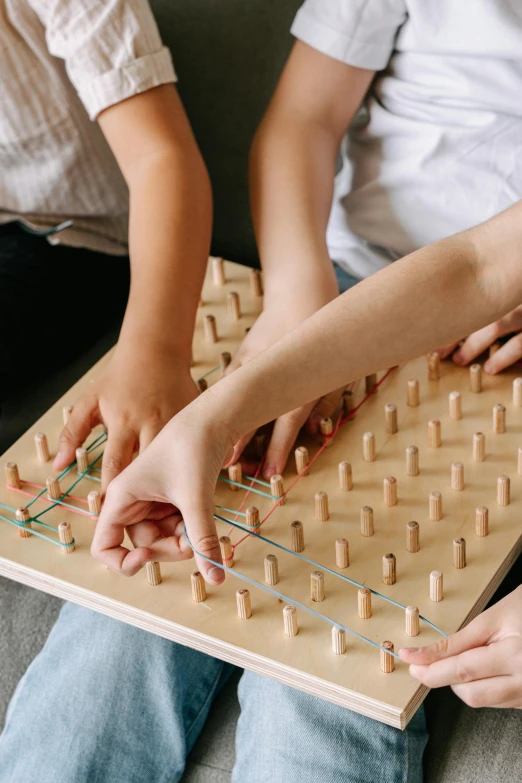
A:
(488, 367)
(215, 575)
(409, 650)
(458, 358)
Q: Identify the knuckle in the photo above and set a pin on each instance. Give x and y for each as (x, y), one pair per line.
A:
(462, 674)
(473, 700)
(208, 544)
(66, 437)
(113, 463)
(441, 646)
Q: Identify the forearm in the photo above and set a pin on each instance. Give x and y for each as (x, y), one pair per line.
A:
(169, 239)
(429, 298)
(292, 169)
(170, 217)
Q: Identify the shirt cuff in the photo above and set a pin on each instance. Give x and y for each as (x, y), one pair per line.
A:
(137, 76)
(334, 43)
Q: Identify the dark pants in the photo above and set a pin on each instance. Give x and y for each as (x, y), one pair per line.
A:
(55, 302)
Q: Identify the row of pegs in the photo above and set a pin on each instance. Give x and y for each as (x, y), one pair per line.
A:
(219, 277)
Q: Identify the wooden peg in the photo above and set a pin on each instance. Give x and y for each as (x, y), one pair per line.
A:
(153, 571)
(66, 413)
(390, 491)
(436, 587)
(459, 553)
(475, 378)
(369, 450)
(503, 490)
(225, 359)
(42, 447)
(271, 570)
(457, 476)
(434, 438)
(218, 272)
(244, 605)
(12, 477)
(412, 621)
(364, 603)
(389, 569)
(342, 553)
(66, 537)
(321, 506)
(317, 586)
(235, 473)
(202, 385)
(348, 401)
(370, 382)
(390, 419)
(256, 282)
(519, 463)
(234, 305)
(455, 405)
(387, 660)
(82, 460)
(326, 428)
(479, 447)
(23, 516)
(412, 537)
(297, 543)
(338, 640)
(413, 393)
(199, 588)
(499, 419)
(54, 491)
(252, 519)
(301, 460)
(290, 620)
(227, 552)
(412, 461)
(433, 366)
(210, 329)
(94, 501)
(482, 521)
(345, 476)
(517, 392)
(435, 502)
(493, 349)
(277, 488)
(367, 521)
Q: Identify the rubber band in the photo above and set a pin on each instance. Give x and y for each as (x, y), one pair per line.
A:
(250, 489)
(345, 578)
(36, 532)
(285, 598)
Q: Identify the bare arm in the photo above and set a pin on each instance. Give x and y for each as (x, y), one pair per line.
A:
(292, 169)
(148, 379)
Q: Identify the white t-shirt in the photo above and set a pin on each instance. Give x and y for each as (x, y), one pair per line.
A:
(441, 147)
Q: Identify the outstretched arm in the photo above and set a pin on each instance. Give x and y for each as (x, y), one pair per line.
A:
(427, 299)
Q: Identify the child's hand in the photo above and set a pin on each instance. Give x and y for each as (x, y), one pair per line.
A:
(482, 663)
(480, 341)
(170, 485)
(276, 320)
(134, 398)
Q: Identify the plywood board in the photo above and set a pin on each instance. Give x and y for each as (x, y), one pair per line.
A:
(306, 661)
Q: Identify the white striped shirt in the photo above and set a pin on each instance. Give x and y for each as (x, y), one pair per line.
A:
(61, 63)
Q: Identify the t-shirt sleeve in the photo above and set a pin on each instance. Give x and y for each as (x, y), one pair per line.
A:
(361, 33)
(112, 48)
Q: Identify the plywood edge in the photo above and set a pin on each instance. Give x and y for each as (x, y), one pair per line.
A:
(315, 686)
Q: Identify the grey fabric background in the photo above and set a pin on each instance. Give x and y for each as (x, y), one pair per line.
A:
(228, 55)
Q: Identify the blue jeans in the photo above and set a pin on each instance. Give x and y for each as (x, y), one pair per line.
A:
(107, 703)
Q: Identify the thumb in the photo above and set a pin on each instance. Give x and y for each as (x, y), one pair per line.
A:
(476, 634)
(201, 534)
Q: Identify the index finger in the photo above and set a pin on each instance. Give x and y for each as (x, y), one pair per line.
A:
(476, 634)
(477, 664)
(117, 454)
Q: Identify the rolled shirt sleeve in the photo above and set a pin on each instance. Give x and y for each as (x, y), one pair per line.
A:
(112, 48)
(361, 33)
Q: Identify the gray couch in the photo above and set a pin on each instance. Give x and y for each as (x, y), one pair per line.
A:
(228, 55)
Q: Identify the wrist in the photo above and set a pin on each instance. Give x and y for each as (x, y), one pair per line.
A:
(152, 349)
